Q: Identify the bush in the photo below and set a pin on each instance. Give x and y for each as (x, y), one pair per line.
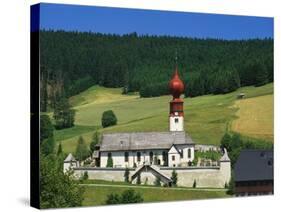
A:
(108, 119)
(128, 196)
(194, 184)
(85, 176)
(138, 179)
(157, 181)
(126, 175)
(174, 178)
(109, 162)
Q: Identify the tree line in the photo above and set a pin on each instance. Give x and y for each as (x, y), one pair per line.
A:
(73, 61)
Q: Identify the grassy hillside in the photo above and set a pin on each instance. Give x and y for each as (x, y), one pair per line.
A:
(255, 117)
(206, 117)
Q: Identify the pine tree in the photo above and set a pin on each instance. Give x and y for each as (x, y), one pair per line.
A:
(157, 181)
(127, 175)
(95, 141)
(194, 184)
(59, 152)
(109, 162)
(174, 178)
(64, 116)
(82, 151)
(139, 179)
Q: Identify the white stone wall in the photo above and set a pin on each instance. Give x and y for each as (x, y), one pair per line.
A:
(70, 165)
(213, 177)
(176, 126)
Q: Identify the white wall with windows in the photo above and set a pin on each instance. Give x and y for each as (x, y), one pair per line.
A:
(154, 157)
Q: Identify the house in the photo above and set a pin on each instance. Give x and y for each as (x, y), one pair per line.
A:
(254, 173)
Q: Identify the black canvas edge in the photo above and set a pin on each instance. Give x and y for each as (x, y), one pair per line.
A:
(34, 106)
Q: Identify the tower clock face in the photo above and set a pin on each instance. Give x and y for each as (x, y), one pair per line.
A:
(176, 113)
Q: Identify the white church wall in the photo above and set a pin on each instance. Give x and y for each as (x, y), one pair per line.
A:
(214, 177)
(118, 158)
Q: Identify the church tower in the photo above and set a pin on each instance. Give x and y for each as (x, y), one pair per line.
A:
(176, 116)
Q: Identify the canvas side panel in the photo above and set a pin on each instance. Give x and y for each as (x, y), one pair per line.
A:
(35, 110)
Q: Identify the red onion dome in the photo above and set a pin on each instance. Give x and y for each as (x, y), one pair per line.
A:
(176, 86)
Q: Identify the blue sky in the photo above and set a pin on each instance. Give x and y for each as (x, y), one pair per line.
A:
(152, 22)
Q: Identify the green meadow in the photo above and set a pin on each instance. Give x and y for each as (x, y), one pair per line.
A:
(96, 195)
(207, 117)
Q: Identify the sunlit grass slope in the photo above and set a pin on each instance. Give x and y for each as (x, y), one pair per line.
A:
(206, 117)
(255, 117)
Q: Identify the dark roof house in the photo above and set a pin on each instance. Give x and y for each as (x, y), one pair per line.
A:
(253, 172)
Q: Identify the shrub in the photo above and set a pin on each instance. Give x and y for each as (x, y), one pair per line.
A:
(128, 196)
(194, 184)
(174, 178)
(108, 119)
(157, 181)
(85, 176)
(109, 162)
(126, 175)
(138, 179)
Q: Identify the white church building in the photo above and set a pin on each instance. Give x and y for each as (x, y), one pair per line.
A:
(149, 155)
(174, 148)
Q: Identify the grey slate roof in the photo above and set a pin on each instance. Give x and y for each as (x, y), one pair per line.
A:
(254, 165)
(142, 140)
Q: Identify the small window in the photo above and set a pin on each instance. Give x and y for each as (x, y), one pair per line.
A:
(176, 120)
(126, 156)
(189, 153)
(173, 158)
(109, 155)
(138, 156)
(181, 154)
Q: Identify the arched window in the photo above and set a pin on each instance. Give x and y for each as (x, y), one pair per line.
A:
(151, 157)
(126, 154)
(189, 153)
(138, 156)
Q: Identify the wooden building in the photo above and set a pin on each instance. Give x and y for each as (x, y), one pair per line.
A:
(253, 173)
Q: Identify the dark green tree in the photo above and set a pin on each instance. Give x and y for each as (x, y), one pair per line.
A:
(59, 152)
(174, 178)
(46, 127)
(194, 184)
(139, 179)
(157, 181)
(108, 119)
(57, 190)
(64, 116)
(261, 75)
(95, 141)
(127, 197)
(47, 146)
(127, 175)
(109, 162)
(82, 151)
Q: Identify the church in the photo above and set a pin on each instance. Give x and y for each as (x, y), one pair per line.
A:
(155, 155)
(174, 148)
